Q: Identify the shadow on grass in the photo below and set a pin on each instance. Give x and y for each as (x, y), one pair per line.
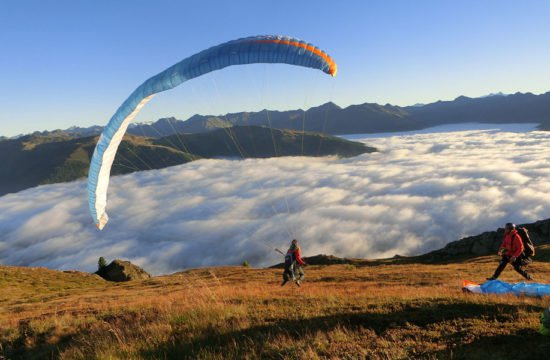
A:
(254, 341)
(242, 343)
(524, 344)
(31, 345)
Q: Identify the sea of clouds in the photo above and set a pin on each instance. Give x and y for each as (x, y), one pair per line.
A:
(419, 192)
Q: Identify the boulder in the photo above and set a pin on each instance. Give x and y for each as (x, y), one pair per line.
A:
(120, 270)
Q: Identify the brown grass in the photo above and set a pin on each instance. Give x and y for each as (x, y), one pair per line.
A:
(386, 311)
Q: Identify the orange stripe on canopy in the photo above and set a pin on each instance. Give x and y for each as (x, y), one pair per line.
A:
(333, 68)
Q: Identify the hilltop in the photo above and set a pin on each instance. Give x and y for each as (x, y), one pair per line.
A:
(384, 310)
(398, 308)
(37, 159)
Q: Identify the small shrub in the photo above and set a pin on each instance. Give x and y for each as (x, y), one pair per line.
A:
(101, 263)
(246, 263)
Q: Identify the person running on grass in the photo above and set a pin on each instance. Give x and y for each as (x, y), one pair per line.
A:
(511, 251)
(294, 264)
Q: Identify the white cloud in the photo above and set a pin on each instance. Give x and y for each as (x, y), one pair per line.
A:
(420, 192)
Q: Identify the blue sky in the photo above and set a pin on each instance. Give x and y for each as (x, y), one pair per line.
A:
(66, 63)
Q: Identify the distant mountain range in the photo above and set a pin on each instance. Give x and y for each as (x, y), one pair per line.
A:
(356, 119)
(37, 159)
(373, 118)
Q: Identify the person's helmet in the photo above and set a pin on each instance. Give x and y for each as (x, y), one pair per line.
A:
(510, 226)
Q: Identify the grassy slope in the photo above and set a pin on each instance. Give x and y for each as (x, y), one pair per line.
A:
(134, 153)
(383, 310)
(35, 160)
(256, 141)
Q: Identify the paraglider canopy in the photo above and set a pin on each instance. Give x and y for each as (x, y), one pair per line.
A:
(502, 288)
(250, 50)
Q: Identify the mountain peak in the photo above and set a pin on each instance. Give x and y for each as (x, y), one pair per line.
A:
(325, 107)
(500, 93)
(462, 98)
(170, 119)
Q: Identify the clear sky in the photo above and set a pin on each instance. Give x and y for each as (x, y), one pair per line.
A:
(71, 62)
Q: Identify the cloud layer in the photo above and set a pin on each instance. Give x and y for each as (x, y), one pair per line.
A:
(420, 192)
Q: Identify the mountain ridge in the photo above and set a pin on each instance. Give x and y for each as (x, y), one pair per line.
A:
(34, 160)
(355, 118)
(466, 248)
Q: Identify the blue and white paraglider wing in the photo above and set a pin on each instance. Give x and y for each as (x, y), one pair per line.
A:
(256, 49)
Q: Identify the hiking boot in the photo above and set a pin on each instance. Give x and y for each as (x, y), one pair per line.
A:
(284, 282)
(298, 283)
(529, 277)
